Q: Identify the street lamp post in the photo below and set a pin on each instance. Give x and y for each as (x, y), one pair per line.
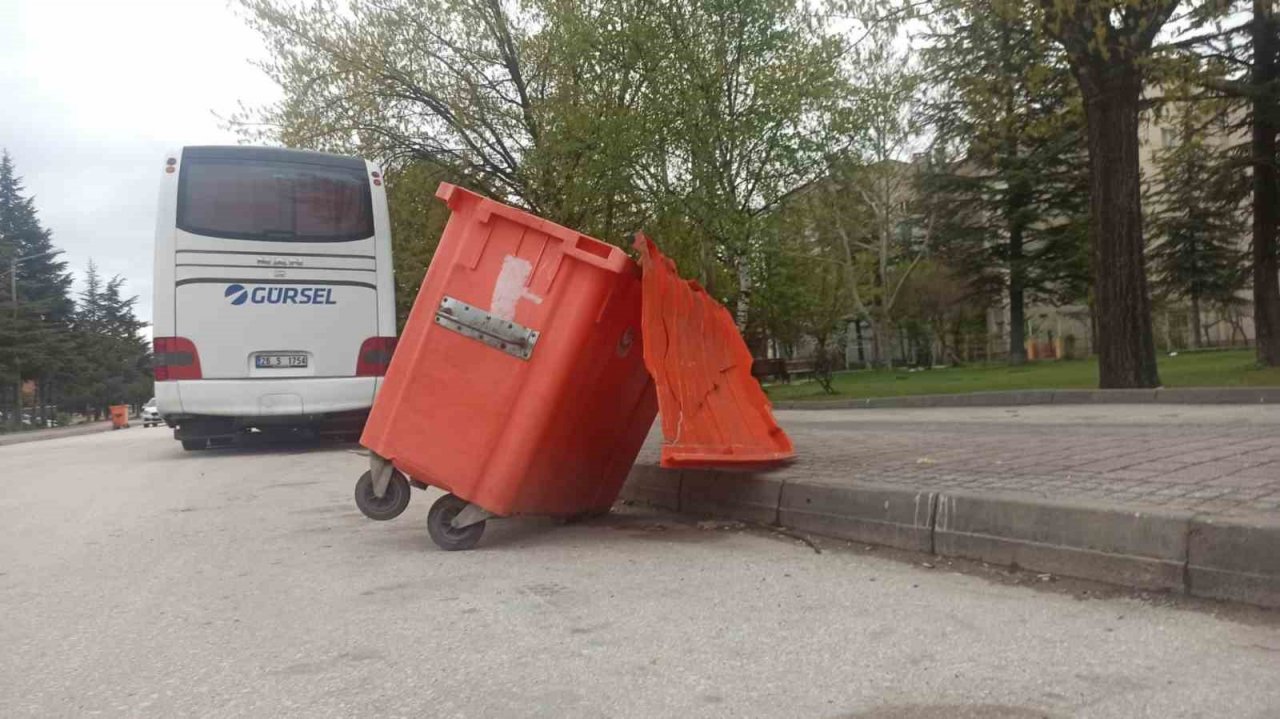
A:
(13, 297)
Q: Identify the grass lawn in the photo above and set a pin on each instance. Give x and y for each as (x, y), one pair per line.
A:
(1225, 368)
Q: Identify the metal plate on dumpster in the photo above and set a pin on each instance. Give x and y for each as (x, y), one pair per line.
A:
(470, 321)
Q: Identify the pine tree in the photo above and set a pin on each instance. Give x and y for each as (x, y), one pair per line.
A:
(1196, 223)
(36, 320)
(1005, 103)
(1235, 46)
(114, 364)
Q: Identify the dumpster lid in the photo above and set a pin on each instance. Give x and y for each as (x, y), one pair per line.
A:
(713, 411)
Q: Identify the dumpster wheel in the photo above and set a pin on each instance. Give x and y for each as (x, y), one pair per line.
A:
(440, 525)
(390, 505)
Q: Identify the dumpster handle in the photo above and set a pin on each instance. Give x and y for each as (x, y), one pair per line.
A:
(570, 241)
(615, 261)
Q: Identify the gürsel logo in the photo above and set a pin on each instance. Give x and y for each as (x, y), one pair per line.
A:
(237, 293)
(277, 295)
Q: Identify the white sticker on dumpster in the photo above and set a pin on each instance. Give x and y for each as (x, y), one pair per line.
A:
(512, 286)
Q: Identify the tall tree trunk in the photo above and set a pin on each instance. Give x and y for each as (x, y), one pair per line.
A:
(1195, 322)
(1266, 190)
(875, 345)
(1017, 198)
(742, 310)
(1017, 298)
(1125, 342)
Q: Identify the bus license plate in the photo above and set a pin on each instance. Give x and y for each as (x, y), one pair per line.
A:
(279, 361)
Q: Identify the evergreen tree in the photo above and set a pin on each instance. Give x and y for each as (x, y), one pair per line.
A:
(114, 360)
(1235, 46)
(34, 323)
(1196, 224)
(1005, 103)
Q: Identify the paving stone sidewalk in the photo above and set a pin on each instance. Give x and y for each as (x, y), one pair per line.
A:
(1216, 460)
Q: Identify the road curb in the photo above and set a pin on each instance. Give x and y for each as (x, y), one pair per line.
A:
(1141, 549)
(1018, 398)
(1154, 549)
(41, 435)
(887, 516)
(747, 497)
(1231, 559)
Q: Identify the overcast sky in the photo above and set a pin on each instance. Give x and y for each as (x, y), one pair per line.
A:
(94, 92)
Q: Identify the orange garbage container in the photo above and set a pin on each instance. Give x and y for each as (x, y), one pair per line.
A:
(518, 385)
(119, 416)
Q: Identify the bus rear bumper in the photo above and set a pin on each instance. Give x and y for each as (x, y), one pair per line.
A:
(248, 399)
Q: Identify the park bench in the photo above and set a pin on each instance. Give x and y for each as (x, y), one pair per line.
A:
(800, 368)
(775, 368)
(779, 369)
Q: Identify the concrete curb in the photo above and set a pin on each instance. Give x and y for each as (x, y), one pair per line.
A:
(1182, 552)
(1132, 548)
(1016, 398)
(41, 435)
(1236, 560)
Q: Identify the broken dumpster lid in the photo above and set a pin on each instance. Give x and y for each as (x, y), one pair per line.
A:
(713, 411)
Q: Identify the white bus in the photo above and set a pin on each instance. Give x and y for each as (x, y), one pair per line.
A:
(274, 300)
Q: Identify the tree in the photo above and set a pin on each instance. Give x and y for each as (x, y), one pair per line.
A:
(1264, 91)
(1106, 43)
(880, 252)
(1004, 99)
(799, 290)
(693, 118)
(942, 302)
(440, 81)
(533, 104)
(1196, 223)
(744, 98)
(114, 364)
(867, 203)
(1236, 66)
(417, 222)
(33, 321)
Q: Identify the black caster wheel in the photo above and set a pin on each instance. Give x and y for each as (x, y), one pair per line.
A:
(445, 535)
(390, 505)
(192, 445)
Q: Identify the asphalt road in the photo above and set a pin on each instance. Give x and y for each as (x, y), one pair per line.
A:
(139, 580)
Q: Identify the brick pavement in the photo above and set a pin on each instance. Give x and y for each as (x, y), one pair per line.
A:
(1223, 462)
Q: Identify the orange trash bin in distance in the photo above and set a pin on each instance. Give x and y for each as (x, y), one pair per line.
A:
(119, 416)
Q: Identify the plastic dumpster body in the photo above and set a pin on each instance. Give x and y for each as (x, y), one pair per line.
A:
(519, 384)
(714, 413)
(119, 416)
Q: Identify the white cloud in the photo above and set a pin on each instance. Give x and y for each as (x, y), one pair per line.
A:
(94, 94)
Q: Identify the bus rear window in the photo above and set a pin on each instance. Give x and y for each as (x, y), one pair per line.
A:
(273, 201)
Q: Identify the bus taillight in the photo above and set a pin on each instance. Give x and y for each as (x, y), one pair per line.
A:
(375, 355)
(175, 358)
